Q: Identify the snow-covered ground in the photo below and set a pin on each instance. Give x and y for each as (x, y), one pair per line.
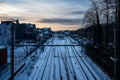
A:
(20, 58)
(62, 63)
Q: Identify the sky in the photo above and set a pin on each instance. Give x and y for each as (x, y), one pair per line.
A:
(57, 14)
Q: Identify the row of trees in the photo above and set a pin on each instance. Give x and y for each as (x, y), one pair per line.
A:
(101, 16)
(101, 20)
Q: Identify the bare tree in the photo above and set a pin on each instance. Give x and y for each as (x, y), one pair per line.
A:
(90, 20)
(98, 27)
(105, 12)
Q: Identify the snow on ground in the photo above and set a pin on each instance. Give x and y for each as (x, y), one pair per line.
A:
(19, 60)
(66, 63)
(62, 63)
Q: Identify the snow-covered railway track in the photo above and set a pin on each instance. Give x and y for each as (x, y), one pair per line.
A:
(71, 69)
(89, 72)
(46, 67)
(75, 61)
(84, 69)
(66, 63)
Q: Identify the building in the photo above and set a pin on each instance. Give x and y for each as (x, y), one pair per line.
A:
(25, 31)
(66, 32)
(39, 37)
(43, 34)
(47, 33)
(29, 33)
(5, 31)
(47, 30)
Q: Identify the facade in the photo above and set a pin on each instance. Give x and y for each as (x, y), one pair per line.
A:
(24, 31)
(29, 33)
(5, 32)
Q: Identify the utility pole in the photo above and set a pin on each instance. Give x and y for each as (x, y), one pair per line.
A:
(12, 51)
(116, 45)
(43, 39)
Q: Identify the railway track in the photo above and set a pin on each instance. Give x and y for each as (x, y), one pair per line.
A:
(88, 69)
(75, 58)
(88, 75)
(62, 65)
(39, 72)
(66, 63)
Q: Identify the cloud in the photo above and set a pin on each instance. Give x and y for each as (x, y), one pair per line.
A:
(78, 12)
(6, 17)
(43, 9)
(62, 21)
(64, 12)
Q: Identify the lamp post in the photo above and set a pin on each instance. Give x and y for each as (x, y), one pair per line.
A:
(12, 52)
(116, 45)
